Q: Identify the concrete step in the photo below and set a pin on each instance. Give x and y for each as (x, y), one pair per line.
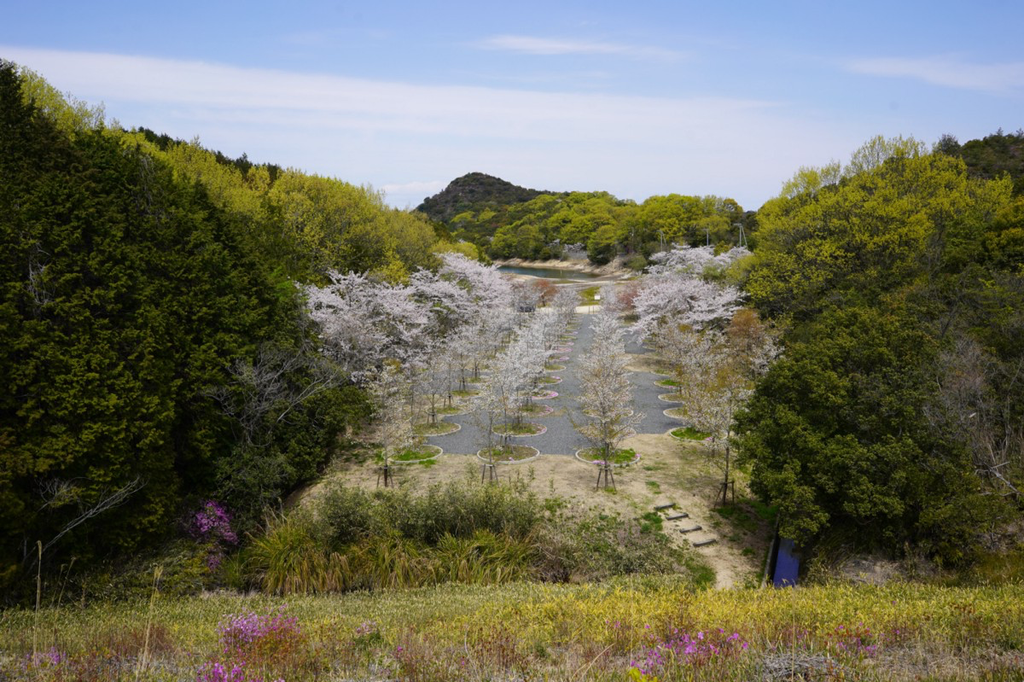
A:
(676, 517)
(705, 543)
(694, 529)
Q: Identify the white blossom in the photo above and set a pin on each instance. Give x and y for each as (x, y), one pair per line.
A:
(606, 395)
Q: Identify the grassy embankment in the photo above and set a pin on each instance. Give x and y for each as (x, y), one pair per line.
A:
(539, 631)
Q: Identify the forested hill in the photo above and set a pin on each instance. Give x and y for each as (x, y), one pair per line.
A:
(991, 156)
(507, 221)
(474, 192)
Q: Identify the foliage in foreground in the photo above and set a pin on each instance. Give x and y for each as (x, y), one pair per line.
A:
(630, 629)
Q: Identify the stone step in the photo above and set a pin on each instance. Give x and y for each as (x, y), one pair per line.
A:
(676, 517)
(705, 543)
(662, 507)
(691, 530)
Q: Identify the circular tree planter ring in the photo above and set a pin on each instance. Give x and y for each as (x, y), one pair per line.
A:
(434, 450)
(680, 434)
(550, 381)
(538, 430)
(673, 413)
(664, 383)
(669, 398)
(519, 454)
(598, 462)
(563, 358)
(441, 428)
(554, 368)
(545, 395)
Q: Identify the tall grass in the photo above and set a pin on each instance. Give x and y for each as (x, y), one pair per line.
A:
(610, 631)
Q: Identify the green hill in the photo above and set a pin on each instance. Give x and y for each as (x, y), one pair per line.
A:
(474, 192)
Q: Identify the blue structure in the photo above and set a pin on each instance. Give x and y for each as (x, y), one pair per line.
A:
(785, 564)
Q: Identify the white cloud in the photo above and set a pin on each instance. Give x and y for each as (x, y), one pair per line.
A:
(248, 95)
(947, 71)
(560, 46)
(392, 134)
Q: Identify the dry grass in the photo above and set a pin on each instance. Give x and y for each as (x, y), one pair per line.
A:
(538, 631)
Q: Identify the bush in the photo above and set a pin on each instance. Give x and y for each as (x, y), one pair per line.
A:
(351, 539)
(598, 546)
(344, 514)
(636, 262)
(460, 510)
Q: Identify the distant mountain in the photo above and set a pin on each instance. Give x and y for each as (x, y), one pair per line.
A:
(473, 192)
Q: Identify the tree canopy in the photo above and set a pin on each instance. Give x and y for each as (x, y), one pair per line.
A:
(881, 275)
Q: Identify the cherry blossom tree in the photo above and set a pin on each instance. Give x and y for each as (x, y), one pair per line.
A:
(489, 289)
(717, 374)
(512, 380)
(680, 298)
(393, 426)
(676, 292)
(448, 303)
(363, 323)
(499, 396)
(437, 378)
(564, 303)
(606, 396)
(695, 260)
(531, 349)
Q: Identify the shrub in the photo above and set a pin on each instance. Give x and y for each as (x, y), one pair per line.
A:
(598, 546)
(350, 539)
(290, 560)
(636, 262)
(345, 514)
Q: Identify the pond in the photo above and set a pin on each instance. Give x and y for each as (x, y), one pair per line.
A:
(547, 273)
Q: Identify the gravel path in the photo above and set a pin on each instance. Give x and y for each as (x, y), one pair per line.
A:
(561, 438)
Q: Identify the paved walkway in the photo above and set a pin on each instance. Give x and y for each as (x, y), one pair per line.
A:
(561, 438)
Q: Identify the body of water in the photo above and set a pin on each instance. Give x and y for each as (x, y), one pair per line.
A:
(547, 273)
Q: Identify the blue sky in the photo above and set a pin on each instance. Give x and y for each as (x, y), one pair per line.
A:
(635, 98)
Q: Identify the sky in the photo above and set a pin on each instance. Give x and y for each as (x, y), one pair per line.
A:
(636, 99)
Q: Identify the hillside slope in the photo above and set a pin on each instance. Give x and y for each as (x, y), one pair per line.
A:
(473, 192)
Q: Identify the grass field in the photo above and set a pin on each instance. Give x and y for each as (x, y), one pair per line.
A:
(628, 629)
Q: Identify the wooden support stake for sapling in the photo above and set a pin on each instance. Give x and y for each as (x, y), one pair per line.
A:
(489, 472)
(384, 471)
